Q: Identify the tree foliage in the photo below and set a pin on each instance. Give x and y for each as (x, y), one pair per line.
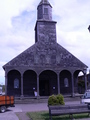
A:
(3, 88)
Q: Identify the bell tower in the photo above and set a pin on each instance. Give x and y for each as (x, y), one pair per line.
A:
(44, 10)
(45, 29)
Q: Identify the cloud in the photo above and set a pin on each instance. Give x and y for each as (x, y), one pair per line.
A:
(2, 73)
(11, 8)
(15, 39)
(15, 17)
(72, 22)
(72, 14)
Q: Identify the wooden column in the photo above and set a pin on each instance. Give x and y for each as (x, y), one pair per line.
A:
(58, 83)
(85, 77)
(72, 86)
(21, 85)
(37, 86)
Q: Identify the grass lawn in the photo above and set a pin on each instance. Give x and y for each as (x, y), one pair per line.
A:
(44, 115)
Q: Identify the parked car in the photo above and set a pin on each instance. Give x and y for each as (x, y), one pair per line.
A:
(86, 97)
(5, 102)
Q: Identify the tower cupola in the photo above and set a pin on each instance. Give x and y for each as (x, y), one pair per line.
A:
(44, 10)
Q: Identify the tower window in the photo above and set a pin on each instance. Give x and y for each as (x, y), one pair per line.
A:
(45, 10)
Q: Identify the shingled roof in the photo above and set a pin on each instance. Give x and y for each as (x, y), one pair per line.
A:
(41, 54)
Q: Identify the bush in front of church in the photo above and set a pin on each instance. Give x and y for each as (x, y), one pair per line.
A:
(56, 100)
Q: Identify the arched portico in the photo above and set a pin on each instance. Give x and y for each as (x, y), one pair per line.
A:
(29, 83)
(45, 83)
(48, 83)
(14, 83)
(65, 82)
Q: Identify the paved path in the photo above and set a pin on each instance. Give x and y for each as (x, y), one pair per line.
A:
(9, 115)
(22, 116)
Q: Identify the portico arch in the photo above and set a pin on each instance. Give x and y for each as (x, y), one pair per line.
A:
(14, 83)
(48, 83)
(29, 83)
(77, 78)
(65, 82)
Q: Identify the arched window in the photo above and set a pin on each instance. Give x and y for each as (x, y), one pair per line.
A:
(16, 83)
(66, 84)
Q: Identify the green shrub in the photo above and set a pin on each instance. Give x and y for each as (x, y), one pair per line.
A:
(56, 100)
(60, 99)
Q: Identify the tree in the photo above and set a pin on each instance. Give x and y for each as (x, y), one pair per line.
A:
(3, 87)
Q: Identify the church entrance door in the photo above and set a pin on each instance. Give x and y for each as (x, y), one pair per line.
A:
(44, 87)
(48, 83)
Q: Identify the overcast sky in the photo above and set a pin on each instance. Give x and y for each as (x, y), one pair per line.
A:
(17, 22)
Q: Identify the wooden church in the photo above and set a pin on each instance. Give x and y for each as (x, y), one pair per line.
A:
(46, 67)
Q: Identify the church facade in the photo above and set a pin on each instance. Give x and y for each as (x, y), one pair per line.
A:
(46, 67)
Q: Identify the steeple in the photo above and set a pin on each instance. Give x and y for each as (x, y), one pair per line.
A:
(45, 29)
(44, 10)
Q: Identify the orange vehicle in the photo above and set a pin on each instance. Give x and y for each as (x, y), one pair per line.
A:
(5, 102)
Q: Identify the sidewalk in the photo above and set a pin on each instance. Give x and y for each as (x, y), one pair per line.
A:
(8, 116)
(22, 116)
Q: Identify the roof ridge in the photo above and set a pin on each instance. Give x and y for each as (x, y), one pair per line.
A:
(44, 1)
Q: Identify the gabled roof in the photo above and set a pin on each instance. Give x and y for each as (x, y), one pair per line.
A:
(46, 54)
